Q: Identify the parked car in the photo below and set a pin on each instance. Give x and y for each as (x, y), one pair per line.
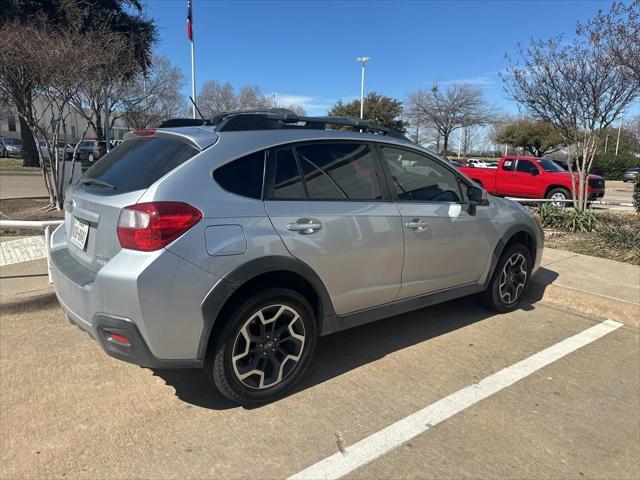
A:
(65, 150)
(456, 163)
(474, 162)
(631, 174)
(10, 147)
(233, 247)
(531, 177)
(91, 150)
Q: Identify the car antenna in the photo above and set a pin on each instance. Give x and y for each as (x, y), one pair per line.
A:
(197, 110)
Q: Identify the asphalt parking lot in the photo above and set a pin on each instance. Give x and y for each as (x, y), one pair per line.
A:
(68, 410)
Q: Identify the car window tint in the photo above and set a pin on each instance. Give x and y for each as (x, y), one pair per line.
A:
(287, 180)
(339, 171)
(137, 163)
(420, 178)
(526, 166)
(242, 176)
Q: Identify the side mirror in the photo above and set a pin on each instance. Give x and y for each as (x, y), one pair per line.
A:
(476, 196)
(535, 172)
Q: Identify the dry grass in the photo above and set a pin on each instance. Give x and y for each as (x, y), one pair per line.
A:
(617, 238)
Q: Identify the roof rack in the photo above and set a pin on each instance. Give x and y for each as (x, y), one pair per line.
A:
(184, 122)
(282, 118)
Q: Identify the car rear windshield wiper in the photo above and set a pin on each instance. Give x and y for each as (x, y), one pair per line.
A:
(97, 183)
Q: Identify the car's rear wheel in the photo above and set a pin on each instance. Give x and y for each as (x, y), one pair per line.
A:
(264, 348)
(510, 279)
(559, 196)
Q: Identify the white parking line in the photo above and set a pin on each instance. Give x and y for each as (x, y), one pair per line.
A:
(382, 442)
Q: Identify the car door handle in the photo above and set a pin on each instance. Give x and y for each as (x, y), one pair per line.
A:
(305, 226)
(417, 225)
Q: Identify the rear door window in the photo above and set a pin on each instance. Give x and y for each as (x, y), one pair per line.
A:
(136, 164)
(324, 171)
(339, 171)
(287, 183)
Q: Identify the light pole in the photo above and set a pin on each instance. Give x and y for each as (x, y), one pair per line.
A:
(362, 60)
(273, 99)
(619, 128)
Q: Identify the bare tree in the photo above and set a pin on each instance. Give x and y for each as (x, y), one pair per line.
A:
(216, 98)
(153, 97)
(106, 84)
(471, 135)
(23, 75)
(457, 106)
(579, 88)
(617, 32)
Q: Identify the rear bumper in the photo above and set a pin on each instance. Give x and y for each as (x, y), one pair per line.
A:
(153, 299)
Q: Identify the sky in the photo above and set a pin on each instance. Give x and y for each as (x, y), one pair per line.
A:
(306, 51)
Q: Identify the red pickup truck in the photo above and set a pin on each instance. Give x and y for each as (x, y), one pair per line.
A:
(531, 177)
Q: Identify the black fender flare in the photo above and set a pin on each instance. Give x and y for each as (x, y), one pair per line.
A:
(229, 284)
(502, 243)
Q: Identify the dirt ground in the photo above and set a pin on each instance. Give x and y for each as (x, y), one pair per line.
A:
(26, 209)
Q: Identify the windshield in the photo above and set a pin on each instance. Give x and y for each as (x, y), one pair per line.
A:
(550, 166)
(12, 141)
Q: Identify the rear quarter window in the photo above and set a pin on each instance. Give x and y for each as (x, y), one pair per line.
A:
(243, 176)
(138, 163)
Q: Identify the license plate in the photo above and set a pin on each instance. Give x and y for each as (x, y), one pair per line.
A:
(79, 233)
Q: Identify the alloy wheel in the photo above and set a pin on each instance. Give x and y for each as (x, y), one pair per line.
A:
(268, 347)
(559, 199)
(513, 278)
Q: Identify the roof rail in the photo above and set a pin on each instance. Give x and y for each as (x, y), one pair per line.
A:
(282, 118)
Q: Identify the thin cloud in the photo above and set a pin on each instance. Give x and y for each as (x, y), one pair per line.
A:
(489, 78)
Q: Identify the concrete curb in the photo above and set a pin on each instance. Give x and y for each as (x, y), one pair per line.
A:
(586, 303)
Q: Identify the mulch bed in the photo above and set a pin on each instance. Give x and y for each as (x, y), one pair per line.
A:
(26, 209)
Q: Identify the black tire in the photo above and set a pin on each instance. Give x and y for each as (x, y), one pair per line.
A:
(220, 368)
(559, 192)
(493, 296)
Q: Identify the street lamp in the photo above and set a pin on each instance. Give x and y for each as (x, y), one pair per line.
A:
(362, 60)
(273, 99)
(619, 128)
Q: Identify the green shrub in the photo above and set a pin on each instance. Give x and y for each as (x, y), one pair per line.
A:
(568, 220)
(612, 166)
(636, 194)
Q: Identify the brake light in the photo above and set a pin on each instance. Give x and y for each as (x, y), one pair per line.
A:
(144, 132)
(152, 226)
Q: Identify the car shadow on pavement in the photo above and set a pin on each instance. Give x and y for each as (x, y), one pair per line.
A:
(344, 351)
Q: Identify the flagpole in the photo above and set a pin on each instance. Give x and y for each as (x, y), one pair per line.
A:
(193, 63)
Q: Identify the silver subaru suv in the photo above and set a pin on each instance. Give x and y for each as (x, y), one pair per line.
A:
(233, 244)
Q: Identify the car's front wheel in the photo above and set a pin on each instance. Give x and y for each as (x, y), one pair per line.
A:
(264, 347)
(510, 279)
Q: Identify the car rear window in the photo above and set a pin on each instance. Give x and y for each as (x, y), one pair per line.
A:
(136, 164)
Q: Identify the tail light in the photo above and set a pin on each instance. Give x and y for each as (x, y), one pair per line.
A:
(152, 226)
